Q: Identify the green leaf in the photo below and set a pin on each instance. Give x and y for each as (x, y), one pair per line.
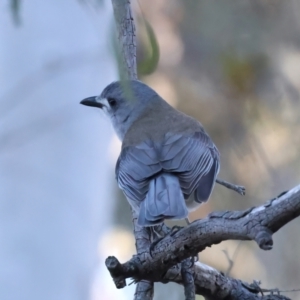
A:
(149, 64)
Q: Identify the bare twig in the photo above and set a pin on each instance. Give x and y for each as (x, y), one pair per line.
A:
(237, 188)
(231, 260)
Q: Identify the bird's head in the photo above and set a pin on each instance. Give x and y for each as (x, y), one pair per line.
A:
(123, 102)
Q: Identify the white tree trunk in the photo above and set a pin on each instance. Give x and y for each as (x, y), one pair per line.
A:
(55, 172)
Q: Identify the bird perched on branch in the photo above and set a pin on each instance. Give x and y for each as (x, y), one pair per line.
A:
(168, 164)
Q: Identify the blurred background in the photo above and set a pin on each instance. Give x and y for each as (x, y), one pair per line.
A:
(234, 65)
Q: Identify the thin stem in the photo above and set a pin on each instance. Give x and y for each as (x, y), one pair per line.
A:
(237, 188)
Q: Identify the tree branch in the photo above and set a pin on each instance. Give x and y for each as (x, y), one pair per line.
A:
(187, 275)
(126, 37)
(257, 223)
(145, 288)
(215, 285)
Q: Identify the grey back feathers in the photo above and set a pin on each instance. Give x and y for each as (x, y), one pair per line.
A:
(168, 163)
(192, 160)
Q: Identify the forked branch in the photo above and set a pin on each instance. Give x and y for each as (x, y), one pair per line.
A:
(257, 223)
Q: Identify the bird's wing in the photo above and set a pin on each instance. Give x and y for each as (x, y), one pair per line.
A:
(134, 169)
(192, 158)
(195, 159)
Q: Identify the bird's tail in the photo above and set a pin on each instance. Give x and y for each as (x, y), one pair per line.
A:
(164, 200)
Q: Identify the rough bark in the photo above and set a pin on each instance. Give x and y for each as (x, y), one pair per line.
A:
(145, 288)
(257, 223)
(126, 37)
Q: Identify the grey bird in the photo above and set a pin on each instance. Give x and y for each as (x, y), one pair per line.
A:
(168, 164)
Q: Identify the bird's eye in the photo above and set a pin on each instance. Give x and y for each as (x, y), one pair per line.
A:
(112, 102)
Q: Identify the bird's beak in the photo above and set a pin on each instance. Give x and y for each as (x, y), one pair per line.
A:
(92, 101)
